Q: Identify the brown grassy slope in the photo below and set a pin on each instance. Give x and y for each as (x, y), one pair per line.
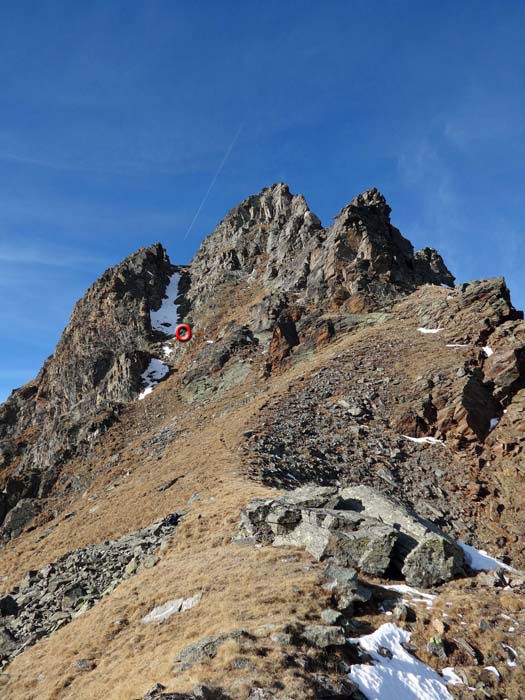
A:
(243, 587)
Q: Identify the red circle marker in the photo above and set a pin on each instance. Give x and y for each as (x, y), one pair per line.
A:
(183, 333)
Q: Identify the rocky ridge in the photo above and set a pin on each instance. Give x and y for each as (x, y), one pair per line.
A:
(271, 239)
(351, 362)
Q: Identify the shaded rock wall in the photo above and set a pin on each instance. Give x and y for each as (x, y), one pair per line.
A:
(95, 368)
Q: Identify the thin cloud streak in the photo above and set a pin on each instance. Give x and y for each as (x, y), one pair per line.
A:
(213, 181)
(48, 258)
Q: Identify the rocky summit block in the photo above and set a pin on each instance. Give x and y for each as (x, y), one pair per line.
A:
(355, 527)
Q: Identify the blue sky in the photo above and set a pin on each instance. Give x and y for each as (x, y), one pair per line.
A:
(116, 116)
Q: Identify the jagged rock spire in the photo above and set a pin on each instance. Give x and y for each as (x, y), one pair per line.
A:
(275, 240)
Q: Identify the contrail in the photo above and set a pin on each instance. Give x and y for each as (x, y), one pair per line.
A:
(214, 180)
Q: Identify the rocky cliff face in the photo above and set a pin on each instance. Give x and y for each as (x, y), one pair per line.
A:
(95, 369)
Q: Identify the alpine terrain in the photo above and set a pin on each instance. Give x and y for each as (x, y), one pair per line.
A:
(320, 494)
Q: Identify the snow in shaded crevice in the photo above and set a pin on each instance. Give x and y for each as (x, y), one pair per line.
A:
(493, 423)
(166, 318)
(488, 351)
(402, 677)
(155, 371)
(479, 560)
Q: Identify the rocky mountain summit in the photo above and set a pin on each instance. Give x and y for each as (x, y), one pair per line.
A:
(339, 442)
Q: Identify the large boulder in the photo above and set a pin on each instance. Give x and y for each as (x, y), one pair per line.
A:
(206, 648)
(434, 560)
(355, 527)
(18, 517)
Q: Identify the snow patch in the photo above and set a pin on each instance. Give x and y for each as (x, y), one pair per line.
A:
(403, 677)
(488, 351)
(457, 345)
(451, 677)
(156, 371)
(512, 655)
(493, 423)
(479, 560)
(430, 330)
(413, 593)
(166, 318)
(424, 440)
(494, 670)
(507, 617)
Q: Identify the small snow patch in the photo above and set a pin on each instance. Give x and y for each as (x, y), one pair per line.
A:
(430, 330)
(494, 670)
(479, 560)
(512, 655)
(163, 612)
(413, 593)
(507, 617)
(166, 318)
(488, 351)
(457, 345)
(451, 677)
(403, 677)
(424, 440)
(493, 423)
(156, 371)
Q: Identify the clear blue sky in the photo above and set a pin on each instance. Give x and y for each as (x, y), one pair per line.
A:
(115, 117)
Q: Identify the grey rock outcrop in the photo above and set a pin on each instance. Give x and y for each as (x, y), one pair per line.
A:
(52, 596)
(268, 237)
(346, 589)
(322, 636)
(200, 692)
(206, 648)
(355, 527)
(18, 517)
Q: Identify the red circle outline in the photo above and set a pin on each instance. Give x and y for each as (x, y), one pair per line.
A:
(187, 333)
